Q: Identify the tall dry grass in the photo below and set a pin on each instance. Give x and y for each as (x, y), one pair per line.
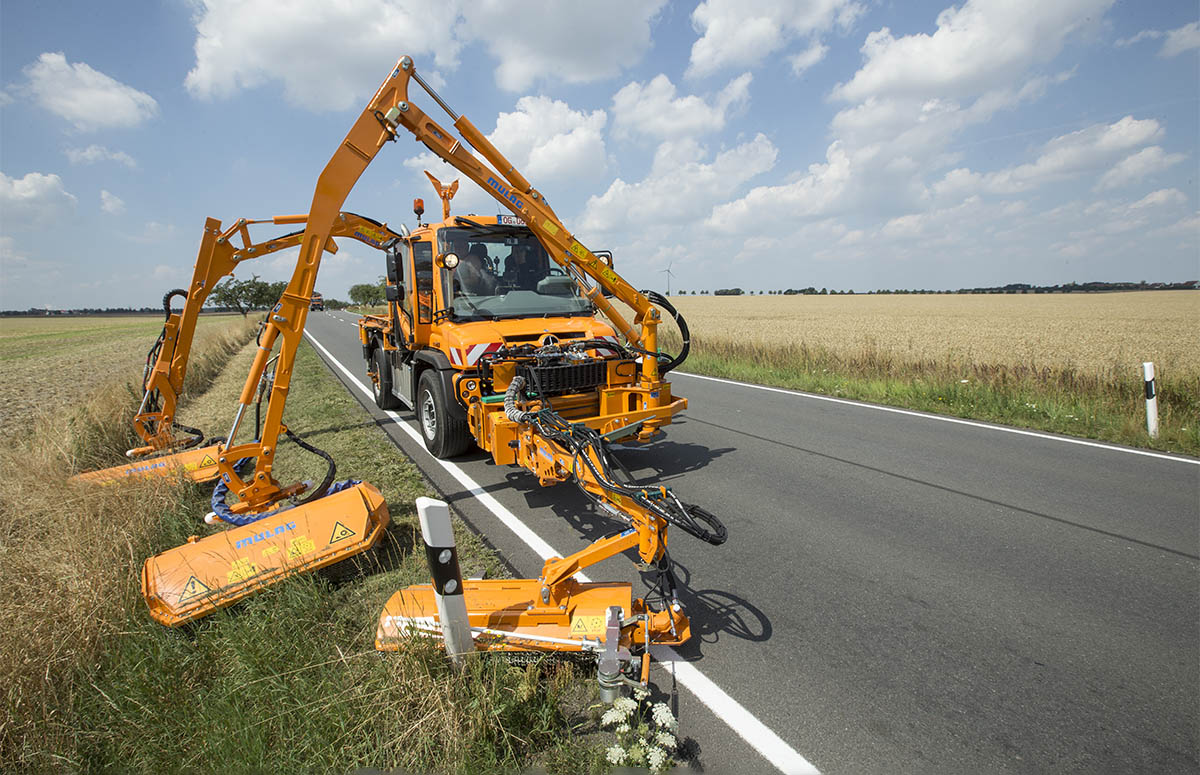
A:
(66, 548)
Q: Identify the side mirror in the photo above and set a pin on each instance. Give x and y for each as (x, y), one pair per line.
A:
(394, 292)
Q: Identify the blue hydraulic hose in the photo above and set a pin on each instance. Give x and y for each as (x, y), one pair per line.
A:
(225, 514)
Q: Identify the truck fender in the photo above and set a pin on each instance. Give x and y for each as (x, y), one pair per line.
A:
(433, 359)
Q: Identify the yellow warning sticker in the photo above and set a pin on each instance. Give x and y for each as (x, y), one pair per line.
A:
(270, 550)
(193, 589)
(241, 570)
(579, 250)
(207, 461)
(550, 226)
(587, 626)
(340, 533)
(300, 546)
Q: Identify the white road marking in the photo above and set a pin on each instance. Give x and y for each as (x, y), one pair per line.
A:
(940, 418)
(772, 747)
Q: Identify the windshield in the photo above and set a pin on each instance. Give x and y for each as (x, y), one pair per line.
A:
(505, 272)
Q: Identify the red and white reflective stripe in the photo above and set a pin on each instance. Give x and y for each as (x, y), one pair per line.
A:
(605, 350)
(471, 356)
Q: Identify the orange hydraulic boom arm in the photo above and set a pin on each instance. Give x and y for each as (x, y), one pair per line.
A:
(218, 257)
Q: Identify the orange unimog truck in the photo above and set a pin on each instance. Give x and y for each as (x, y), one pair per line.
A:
(474, 302)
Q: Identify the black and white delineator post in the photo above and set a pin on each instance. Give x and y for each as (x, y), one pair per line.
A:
(447, 578)
(1151, 399)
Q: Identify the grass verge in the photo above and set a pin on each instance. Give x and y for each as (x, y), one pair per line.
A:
(1057, 399)
(66, 550)
(289, 680)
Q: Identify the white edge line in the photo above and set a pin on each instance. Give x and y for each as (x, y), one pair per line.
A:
(940, 418)
(772, 747)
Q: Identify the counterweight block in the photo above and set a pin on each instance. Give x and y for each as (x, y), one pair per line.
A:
(197, 578)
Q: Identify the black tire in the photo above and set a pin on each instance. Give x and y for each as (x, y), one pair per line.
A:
(382, 388)
(445, 435)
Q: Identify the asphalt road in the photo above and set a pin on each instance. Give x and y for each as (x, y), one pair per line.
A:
(898, 593)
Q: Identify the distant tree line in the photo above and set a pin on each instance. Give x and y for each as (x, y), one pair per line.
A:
(1090, 287)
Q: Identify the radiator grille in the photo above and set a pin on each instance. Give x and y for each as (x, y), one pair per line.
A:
(567, 378)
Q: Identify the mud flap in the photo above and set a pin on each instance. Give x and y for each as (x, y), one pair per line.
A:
(508, 615)
(199, 465)
(193, 580)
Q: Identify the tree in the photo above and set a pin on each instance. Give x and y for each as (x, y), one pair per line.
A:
(242, 295)
(367, 294)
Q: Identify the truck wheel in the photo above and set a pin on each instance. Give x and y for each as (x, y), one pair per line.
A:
(382, 388)
(445, 436)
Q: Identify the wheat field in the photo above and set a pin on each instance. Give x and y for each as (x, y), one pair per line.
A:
(1098, 334)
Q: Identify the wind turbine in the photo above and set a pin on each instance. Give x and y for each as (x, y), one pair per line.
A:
(670, 274)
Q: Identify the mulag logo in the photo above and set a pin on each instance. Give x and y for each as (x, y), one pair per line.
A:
(504, 192)
(264, 535)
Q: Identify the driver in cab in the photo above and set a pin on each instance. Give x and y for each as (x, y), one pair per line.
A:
(473, 276)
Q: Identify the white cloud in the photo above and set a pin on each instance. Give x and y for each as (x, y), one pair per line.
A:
(654, 110)
(98, 153)
(1164, 196)
(1183, 39)
(1143, 35)
(812, 194)
(546, 140)
(111, 203)
(1133, 168)
(808, 57)
(1061, 158)
(680, 184)
(34, 201)
(85, 97)
(247, 44)
(328, 56)
(742, 33)
(550, 40)
(1177, 41)
(980, 46)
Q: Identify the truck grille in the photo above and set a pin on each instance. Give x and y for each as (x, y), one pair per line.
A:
(567, 378)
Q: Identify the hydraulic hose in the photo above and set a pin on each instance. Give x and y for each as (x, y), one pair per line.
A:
(657, 298)
(511, 411)
(167, 300)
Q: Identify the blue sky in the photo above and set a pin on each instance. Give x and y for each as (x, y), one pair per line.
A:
(765, 144)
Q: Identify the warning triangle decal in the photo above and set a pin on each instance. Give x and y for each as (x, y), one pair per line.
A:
(340, 533)
(193, 589)
(207, 461)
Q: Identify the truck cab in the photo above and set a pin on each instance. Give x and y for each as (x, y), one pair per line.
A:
(472, 300)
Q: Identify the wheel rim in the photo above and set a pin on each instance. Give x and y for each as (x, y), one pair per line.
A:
(429, 417)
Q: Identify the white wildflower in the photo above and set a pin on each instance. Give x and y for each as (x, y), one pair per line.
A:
(615, 754)
(611, 716)
(622, 729)
(625, 705)
(666, 740)
(657, 759)
(664, 717)
(640, 693)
